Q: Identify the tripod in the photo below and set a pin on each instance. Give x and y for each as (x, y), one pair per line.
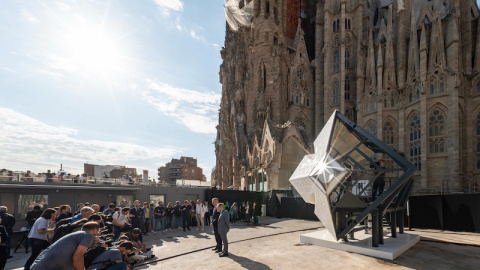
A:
(20, 242)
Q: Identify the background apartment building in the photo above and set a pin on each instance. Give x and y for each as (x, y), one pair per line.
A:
(183, 168)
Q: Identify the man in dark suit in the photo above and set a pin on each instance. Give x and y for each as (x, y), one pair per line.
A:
(136, 215)
(215, 216)
(223, 228)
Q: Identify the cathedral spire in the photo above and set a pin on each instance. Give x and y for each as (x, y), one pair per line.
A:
(371, 72)
(389, 73)
(437, 47)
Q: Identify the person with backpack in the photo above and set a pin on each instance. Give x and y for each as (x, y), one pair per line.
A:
(67, 253)
(120, 221)
(68, 228)
(101, 258)
(3, 246)
(38, 236)
(8, 221)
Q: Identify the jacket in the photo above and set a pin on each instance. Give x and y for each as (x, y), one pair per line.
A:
(223, 222)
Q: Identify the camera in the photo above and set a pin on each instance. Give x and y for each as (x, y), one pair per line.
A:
(107, 239)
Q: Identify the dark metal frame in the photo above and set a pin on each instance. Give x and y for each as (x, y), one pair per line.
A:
(393, 200)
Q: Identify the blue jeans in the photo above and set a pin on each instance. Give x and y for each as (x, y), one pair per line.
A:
(160, 224)
(178, 222)
(168, 221)
(118, 266)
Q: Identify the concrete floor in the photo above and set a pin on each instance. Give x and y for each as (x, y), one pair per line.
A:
(276, 245)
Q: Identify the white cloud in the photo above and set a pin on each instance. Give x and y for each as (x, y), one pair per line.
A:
(50, 73)
(29, 16)
(167, 5)
(195, 110)
(193, 31)
(27, 143)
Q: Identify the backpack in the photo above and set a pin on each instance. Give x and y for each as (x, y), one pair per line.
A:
(91, 254)
(63, 230)
(62, 222)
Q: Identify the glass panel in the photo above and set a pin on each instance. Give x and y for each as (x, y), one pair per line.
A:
(191, 197)
(124, 200)
(156, 198)
(27, 202)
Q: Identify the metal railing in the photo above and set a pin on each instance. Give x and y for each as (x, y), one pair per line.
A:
(77, 181)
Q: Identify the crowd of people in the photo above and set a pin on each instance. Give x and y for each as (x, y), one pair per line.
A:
(62, 177)
(114, 234)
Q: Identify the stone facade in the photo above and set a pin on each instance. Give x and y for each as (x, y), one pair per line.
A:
(405, 70)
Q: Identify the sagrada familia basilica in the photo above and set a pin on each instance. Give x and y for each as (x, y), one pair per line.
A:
(407, 71)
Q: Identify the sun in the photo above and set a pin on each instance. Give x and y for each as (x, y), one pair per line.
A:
(93, 52)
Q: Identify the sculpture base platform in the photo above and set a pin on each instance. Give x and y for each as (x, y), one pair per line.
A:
(362, 244)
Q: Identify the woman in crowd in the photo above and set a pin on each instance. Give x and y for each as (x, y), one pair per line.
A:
(147, 215)
(169, 216)
(207, 213)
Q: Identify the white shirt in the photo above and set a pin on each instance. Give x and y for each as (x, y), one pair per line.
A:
(120, 218)
(40, 223)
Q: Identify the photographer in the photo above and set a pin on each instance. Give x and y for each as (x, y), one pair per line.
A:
(379, 184)
(67, 253)
(133, 237)
(120, 221)
(112, 259)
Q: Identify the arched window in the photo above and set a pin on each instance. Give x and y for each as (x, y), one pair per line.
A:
(414, 141)
(436, 131)
(367, 107)
(432, 89)
(478, 140)
(336, 61)
(410, 95)
(296, 99)
(347, 58)
(389, 133)
(372, 128)
(291, 98)
(349, 24)
(347, 88)
(478, 87)
(346, 23)
(308, 102)
(336, 93)
(374, 105)
(334, 26)
(385, 102)
(338, 24)
(441, 88)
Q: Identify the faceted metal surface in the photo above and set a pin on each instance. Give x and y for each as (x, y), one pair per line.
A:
(344, 157)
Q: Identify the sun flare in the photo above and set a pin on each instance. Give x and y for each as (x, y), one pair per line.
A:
(92, 52)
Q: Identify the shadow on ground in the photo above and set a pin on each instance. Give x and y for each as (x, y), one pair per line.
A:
(248, 263)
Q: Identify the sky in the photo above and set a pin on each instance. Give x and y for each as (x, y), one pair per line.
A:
(122, 82)
(118, 82)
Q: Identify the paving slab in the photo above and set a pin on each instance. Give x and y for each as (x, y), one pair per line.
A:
(275, 244)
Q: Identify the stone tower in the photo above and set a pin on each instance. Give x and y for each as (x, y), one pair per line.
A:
(405, 70)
